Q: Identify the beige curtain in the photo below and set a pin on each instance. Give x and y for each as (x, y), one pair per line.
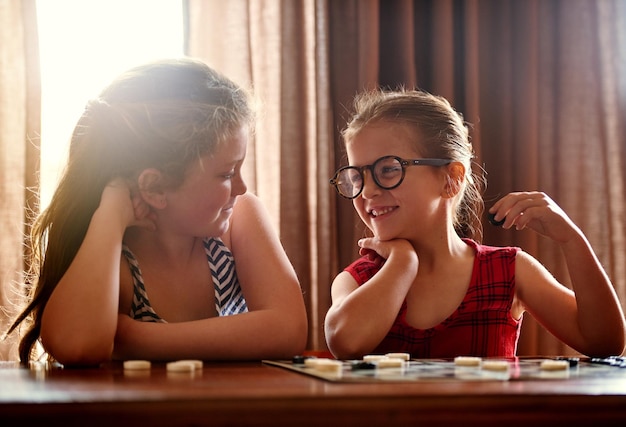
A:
(279, 48)
(543, 83)
(19, 128)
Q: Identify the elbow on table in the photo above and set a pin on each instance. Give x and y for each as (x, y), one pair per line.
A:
(612, 343)
(296, 337)
(71, 353)
(343, 347)
(614, 348)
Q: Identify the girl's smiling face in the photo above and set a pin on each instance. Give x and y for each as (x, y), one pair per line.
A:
(203, 204)
(407, 210)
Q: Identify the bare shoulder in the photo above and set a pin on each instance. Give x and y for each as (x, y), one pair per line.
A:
(249, 200)
(249, 211)
(251, 225)
(527, 265)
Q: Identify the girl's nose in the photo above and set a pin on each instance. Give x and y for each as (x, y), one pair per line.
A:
(370, 188)
(239, 186)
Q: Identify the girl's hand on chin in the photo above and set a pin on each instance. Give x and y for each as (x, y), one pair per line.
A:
(383, 248)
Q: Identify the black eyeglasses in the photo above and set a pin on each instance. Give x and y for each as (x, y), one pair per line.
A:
(388, 173)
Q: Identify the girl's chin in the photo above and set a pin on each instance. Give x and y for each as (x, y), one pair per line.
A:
(385, 236)
(219, 228)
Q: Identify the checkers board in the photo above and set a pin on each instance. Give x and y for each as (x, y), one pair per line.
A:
(414, 370)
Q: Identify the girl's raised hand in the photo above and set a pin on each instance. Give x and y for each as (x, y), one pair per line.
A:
(133, 210)
(385, 248)
(536, 211)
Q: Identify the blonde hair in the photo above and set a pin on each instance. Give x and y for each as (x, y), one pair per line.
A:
(440, 132)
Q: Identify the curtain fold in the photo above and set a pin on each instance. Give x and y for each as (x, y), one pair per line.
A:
(19, 155)
(543, 84)
(279, 49)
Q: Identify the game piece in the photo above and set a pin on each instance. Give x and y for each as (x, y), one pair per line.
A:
(197, 364)
(389, 362)
(495, 365)
(137, 364)
(554, 365)
(362, 366)
(402, 356)
(617, 361)
(467, 361)
(492, 220)
(373, 357)
(299, 359)
(329, 366)
(180, 366)
(573, 361)
(311, 362)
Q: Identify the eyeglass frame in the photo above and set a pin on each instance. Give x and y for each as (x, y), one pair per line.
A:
(404, 163)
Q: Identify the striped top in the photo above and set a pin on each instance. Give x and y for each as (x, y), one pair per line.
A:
(229, 298)
(481, 326)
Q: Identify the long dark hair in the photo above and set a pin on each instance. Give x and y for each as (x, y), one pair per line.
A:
(161, 115)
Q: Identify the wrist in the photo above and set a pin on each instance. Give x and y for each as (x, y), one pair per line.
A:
(109, 219)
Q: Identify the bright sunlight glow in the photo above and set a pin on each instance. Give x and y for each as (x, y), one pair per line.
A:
(83, 45)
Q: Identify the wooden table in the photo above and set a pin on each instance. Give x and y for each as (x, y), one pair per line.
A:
(241, 394)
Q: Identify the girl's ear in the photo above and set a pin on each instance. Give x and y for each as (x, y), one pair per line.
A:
(454, 179)
(151, 187)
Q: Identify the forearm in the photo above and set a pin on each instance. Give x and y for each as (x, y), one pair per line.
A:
(262, 334)
(80, 318)
(359, 324)
(356, 324)
(600, 317)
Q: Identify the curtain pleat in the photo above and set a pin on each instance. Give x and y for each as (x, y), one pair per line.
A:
(19, 155)
(279, 49)
(542, 84)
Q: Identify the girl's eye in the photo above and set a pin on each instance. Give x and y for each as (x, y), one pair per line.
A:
(230, 174)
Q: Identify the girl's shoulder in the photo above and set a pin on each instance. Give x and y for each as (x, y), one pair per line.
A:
(483, 251)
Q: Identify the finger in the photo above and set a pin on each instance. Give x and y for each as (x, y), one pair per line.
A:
(368, 253)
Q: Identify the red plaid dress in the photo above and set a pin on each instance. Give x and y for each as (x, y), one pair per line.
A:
(482, 324)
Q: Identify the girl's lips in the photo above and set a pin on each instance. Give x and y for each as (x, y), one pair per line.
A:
(378, 212)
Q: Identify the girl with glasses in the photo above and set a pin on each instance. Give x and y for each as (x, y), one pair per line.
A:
(135, 256)
(424, 284)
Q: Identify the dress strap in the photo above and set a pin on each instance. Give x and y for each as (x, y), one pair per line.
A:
(140, 308)
(229, 298)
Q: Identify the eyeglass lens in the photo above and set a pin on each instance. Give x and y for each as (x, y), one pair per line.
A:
(387, 173)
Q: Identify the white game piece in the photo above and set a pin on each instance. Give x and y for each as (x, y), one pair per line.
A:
(135, 365)
(495, 365)
(329, 366)
(311, 362)
(373, 357)
(554, 365)
(401, 356)
(181, 366)
(197, 364)
(467, 361)
(390, 362)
